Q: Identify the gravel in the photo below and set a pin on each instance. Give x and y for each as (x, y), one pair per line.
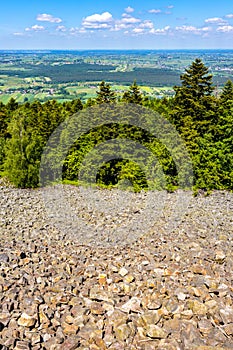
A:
(85, 268)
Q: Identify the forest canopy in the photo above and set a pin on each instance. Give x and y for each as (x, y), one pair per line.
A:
(203, 119)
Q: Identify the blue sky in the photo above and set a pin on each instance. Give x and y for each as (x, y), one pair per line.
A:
(120, 24)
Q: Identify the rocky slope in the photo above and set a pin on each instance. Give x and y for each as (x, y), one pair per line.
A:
(124, 279)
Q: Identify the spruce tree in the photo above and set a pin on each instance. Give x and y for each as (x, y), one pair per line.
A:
(226, 96)
(133, 95)
(196, 81)
(194, 103)
(195, 117)
(12, 105)
(224, 135)
(105, 94)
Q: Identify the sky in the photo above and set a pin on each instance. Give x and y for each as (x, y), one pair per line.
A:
(120, 24)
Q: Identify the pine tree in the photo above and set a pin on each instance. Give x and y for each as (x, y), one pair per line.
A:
(133, 95)
(105, 94)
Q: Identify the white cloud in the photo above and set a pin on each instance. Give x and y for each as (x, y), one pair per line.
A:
(130, 24)
(18, 34)
(205, 29)
(215, 20)
(225, 29)
(187, 28)
(61, 29)
(44, 17)
(98, 21)
(129, 9)
(75, 31)
(35, 28)
(118, 26)
(138, 30)
(82, 30)
(96, 26)
(161, 31)
(156, 11)
(193, 30)
(130, 20)
(127, 21)
(146, 24)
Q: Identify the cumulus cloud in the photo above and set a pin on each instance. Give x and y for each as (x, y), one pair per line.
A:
(146, 24)
(61, 29)
(126, 22)
(186, 28)
(129, 9)
(225, 29)
(98, 21)
(215, 20)
(138, 30)
(131, 25)
(156, 11)
(75, 31)
(161, 31)
(35, 28)
(130, 20)
(193, 29)
(44, 17)
(143, 28)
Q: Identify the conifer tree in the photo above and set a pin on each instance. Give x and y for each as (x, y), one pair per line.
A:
(133, 95)
(224, 135)
(194, 103)
(226, 96)
(12, 105)
(105, 94)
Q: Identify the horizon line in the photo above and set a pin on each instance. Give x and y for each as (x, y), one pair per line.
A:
(123, 49)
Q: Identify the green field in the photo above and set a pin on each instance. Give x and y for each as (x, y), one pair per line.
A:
(66, 76)
(84, 91)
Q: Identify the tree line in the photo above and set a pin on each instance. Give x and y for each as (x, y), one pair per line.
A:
(202, 117)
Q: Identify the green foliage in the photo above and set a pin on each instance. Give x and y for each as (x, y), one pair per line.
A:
(23, 151)
(133, 95)
(2, 154)
(204, 122)
(96, 72)
(12, 105)
(105, 94)
(227, 93)
(29, 128)
(117, 170)
(194, 99)
(73, 106)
